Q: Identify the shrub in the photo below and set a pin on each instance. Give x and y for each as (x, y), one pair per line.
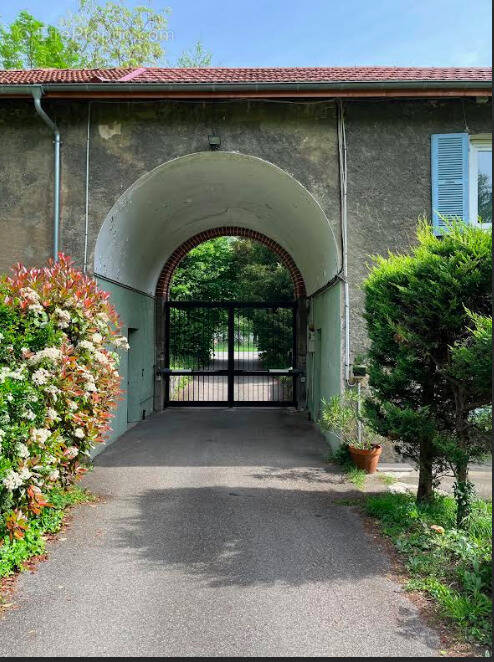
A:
(428, 317)
(58, 383)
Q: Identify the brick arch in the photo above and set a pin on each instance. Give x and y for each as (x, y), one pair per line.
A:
(165, 279)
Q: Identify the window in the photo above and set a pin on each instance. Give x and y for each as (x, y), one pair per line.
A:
(480, 180)
(461, 171)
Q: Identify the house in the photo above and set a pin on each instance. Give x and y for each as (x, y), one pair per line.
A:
(128, 169)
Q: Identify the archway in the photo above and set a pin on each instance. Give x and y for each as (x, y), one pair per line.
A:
(232, 299)
(163, 285)
(155, 220)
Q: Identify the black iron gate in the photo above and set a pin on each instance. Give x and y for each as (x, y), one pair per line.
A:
(230, 354)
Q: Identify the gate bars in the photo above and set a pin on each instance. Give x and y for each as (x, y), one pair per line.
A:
(230, 353)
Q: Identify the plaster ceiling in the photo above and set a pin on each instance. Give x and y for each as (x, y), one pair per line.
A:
(193, 193)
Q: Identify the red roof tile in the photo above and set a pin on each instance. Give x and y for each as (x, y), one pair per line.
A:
(247, 75)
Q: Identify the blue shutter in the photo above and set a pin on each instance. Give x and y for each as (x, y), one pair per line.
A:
(449, 168)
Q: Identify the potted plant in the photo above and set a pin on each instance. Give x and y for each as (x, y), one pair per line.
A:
(359, 369)
(340, 415)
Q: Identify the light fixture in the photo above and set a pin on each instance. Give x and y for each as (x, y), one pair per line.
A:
(214, 141)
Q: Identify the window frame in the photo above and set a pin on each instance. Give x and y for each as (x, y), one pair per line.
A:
(479, 143)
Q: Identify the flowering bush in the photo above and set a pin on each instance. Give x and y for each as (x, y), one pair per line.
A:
(58, 383)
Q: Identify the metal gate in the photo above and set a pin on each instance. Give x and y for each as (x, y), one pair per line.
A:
(230, 354)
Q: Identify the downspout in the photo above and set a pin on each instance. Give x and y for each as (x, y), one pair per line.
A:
(342, 160)
(86, 209)
(37, 93)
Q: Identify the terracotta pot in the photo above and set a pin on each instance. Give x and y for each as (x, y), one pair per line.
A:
(366, 459)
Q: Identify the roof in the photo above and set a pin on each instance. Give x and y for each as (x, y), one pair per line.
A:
(264, 82)
(215, 75)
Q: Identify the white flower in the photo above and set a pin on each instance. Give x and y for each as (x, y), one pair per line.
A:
(29, 415)
(101, 358)
(29, 294)
(21, 449)
(63, 318)
(73, 406)
(52, 414)
(86, 344)
(18, 374)
(79, 433)
(12, 480)
(90, 387)
(97, 338)
(120, 342)
(71, 452)
(40, 435)
(53, 475)
(2, 434)
(36, 308)
(41, 376)
(10, 397)
(52, 354)
(25, 474)
(53, 391)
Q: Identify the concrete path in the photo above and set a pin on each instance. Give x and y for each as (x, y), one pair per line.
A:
(220, 534)
(252, 388)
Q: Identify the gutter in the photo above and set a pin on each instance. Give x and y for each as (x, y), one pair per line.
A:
(37, 93)
(320, 89)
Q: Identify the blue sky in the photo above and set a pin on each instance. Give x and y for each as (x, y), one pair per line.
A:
(318, 32)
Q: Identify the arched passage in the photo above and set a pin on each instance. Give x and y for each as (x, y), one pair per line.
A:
(164, 281)
(181, 202)
(195, 193)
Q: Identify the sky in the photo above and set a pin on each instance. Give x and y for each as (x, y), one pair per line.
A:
(315, 32)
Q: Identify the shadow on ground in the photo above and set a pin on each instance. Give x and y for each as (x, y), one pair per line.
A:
(248, 536)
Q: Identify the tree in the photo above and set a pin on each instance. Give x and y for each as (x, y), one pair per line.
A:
(29, 44)
(96, 35)
(426, 315)
(233, 269)
(197, 56)
(112, 34)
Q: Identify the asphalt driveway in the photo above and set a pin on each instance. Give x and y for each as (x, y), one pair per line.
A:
(219, 534)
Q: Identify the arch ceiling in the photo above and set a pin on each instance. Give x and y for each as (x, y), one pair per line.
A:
(194, 193)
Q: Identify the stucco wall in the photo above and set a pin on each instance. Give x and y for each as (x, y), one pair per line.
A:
(389, 178)
(388, 170)
(136, 369)
(323, 358)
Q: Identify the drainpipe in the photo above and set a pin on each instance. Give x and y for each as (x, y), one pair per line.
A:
(344, 231)
(37, 93)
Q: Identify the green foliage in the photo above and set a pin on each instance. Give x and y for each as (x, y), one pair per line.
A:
(14, 553)
(340, 416)
(197, 56)
(356, 476)
(30, 44)
(232, 269)
(110, 34)
(454, 566)
(427, 316)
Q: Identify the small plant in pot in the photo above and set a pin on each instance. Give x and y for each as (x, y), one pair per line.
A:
(359, 368)
(340, 415)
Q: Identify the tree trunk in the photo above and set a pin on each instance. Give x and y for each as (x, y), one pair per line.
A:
(463, 494)
(425, 491)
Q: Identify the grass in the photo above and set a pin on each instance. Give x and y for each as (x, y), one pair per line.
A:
(223, 347)
(342, 457)
(14, 553)
(452, 567)
(355, 476)
(386, 479)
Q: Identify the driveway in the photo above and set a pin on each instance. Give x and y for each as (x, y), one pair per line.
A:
(219, 534)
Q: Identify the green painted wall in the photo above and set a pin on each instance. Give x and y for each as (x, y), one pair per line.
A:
(136, 312)
(324, 351)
